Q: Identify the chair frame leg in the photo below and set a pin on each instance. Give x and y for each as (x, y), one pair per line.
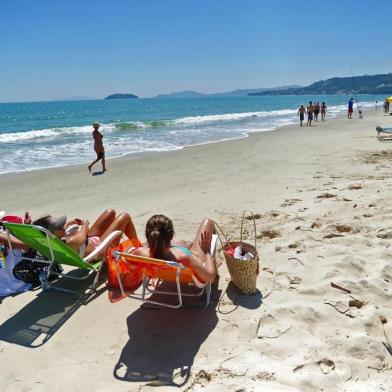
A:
(51, 263)
(146, 280)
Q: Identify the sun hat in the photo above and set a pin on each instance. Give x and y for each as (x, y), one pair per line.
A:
(50, 222)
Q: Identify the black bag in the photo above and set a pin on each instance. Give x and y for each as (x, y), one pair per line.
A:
(28, 270)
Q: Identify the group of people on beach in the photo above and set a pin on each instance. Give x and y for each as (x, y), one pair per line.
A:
(84, 239)
(312, 110)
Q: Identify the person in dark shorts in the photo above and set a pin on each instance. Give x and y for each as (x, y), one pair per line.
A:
(98, 147)
(310, 110)
(316, 111)
(301, 112)
(323, 111)
(350, 108)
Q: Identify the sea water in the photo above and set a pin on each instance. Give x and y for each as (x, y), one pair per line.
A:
(37, 135)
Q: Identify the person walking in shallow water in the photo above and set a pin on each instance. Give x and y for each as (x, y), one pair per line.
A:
(301, 113)
(310, 110)
(98, 147)
(350, 108)
(316, 111)
(323, 111)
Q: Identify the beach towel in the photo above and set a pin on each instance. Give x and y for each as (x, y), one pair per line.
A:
(8, 283)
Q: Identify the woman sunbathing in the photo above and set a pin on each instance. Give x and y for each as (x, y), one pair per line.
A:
(196, 255)
(84, 239)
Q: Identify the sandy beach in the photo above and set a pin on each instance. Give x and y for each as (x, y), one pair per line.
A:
(322, 195)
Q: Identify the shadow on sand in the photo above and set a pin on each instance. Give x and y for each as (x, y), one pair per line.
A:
(163, 342)
(40, 319)
(237, 299)
(98, 173)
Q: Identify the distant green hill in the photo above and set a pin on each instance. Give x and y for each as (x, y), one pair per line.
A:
(121, 96)
(366, 84)
(235, 93)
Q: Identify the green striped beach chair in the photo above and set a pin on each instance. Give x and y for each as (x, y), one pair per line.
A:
(57, 252)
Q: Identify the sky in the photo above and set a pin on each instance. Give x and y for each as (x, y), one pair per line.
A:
(59, 49)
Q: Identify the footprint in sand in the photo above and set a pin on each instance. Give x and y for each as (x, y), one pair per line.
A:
(269, 328)
(325, 366)
(268, 234)
(287, 281)
(289, 202)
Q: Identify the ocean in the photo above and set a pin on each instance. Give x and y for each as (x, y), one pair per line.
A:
(37, 135)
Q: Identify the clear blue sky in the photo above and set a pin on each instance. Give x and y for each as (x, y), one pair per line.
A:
(55, 49)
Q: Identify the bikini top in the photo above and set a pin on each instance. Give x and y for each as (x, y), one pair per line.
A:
(185, 250)
(71, 230)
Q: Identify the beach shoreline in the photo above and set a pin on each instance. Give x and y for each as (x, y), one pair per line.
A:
(58, 146)
(322, 195)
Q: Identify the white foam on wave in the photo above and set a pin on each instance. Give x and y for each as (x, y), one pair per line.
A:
(232, 116)
(168, 135)
(274, 115)
(43, 133)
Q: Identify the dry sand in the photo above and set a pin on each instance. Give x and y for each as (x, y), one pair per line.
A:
(323, 195)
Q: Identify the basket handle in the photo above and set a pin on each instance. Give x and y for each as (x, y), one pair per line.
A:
(254, 224)
(225, 236)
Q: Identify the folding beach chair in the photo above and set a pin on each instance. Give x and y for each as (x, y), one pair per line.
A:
(160, 271)
(57, 252)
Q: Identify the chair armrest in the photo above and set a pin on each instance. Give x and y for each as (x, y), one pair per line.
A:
(214, 239)
(102, 247)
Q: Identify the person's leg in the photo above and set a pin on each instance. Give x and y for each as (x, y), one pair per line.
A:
(103, 163)
(124, 223)
(207, 225)
(102, 223)
(92, 164)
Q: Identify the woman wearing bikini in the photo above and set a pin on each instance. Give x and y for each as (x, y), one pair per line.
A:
(98, 147)
(195, 255)
(82, 238)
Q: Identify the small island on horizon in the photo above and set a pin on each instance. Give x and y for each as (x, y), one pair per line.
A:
(122, 96)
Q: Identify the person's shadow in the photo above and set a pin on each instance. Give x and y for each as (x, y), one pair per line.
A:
(163, 342)
(40, 319)
(98, 173)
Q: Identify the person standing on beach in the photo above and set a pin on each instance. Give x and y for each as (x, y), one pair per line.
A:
(350, 108)
(310, 110)
(316, 111)
(301, 112)
(98, 147)
(323, 111)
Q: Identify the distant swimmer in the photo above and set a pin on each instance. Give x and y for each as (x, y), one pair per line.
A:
(310, 110)
(98, 147)
(350, 108)
(301, 112)
(323, 111)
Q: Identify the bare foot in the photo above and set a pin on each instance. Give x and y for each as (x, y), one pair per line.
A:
(89, 168)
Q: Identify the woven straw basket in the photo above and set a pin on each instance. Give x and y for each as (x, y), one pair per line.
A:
(243, 272)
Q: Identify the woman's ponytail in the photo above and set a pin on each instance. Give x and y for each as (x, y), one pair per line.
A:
(159, 233)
